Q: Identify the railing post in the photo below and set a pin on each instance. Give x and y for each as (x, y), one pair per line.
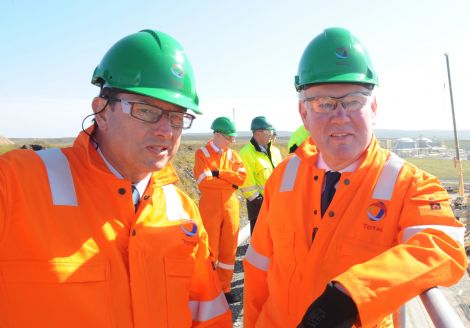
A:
(440, 311)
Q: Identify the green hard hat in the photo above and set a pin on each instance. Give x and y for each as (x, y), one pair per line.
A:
(224, 125)
(335, 56)
(150, 63)
(260, 123)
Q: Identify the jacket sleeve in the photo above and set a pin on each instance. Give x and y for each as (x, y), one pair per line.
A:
(202, 170)
(255, 265)
(207, 301)
(429, 253)
(249, 188)
(3, 199)
(236, 174)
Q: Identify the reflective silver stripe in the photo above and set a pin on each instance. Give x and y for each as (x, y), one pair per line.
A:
(229, 154)
(288, 179)
(242, 169)
(225, 266)
(206, 310)
(457, 233)
(205, 151)
(203, 175)
(60, 177)
(386, 182)
(256, 259)
(247, 189)
(256, 194)
(174, 208)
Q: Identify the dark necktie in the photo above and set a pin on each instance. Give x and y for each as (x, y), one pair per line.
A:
(135, 197)
(332, 178)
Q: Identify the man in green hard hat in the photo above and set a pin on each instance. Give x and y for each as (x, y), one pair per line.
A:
(97, 234)
(260, 158)
(348, 231)
(219, 171)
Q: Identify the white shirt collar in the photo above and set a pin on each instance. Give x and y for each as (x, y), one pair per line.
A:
(140, 186)
(321, 164)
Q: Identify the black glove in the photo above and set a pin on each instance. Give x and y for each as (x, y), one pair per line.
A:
(333, 309)
(215, 173)
(257, 201)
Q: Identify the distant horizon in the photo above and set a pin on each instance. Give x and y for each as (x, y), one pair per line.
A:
(463, 134)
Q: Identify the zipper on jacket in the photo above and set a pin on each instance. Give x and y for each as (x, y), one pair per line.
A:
(314, 233)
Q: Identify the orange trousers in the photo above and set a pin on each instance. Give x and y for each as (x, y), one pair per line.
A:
(220, 211)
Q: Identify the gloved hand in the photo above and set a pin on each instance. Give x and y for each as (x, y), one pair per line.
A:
(257, 201)
(333, 309)
(215, 173)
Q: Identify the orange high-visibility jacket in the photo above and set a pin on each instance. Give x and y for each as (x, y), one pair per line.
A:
(388, 235)
(74, 254)
(219, 205)
(228, 163)
(259, 167)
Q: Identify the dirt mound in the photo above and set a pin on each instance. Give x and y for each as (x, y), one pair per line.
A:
(5, 141)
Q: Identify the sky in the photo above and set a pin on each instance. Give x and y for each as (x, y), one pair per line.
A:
(244, 55)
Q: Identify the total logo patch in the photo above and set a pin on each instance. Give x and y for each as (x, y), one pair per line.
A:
(341, 53)
(177, 70)
(190, 233)
(376, 211)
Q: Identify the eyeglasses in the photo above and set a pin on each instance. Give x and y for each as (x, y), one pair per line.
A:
(226, 137)
(153, 114)
(351, 103)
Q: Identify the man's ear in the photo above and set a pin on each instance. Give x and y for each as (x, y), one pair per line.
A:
(373, 106)
(303, 112)
(98, 104)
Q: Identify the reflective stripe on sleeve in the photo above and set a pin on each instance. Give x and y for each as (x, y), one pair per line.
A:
(174, 208)
(288, 179)
(225, 266)
(60, 177)
(229, 154)
(203, 175)
(256, 259)
(386, 182)
(205, 151)
(207, 310)
(242, 169)
(457, 233)
(256, 194)
(248, 189)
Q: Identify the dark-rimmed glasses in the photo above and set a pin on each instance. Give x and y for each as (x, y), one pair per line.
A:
(153, 114)
(352, 102)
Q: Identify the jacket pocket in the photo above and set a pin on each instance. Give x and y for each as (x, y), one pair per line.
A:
(179, 273)
(354, 251)
(283, 268)
(55, 294)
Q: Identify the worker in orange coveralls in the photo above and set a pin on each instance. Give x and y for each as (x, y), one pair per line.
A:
(219, 172)
(348, 232)
(97, 234)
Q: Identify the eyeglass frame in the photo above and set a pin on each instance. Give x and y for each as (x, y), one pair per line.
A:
(337, 100)
(126, 107)
(226, 137)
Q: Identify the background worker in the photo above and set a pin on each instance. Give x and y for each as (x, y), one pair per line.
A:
(297, 138)
(348, 231)
(97, 234)
(260, 158)
(219, 171)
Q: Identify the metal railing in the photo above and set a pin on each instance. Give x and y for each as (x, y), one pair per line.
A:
(438, 309)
